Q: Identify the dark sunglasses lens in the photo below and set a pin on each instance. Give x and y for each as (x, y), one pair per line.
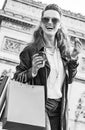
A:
(45, 20)
(54, 20)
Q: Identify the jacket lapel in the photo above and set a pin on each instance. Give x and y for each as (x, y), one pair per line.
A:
(40, 47)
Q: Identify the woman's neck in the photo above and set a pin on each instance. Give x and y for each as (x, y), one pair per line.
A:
(49, 41)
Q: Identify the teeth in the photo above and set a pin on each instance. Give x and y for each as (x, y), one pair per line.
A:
(49, 27)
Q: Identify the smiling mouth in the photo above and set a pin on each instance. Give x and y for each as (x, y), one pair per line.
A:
(49, 28)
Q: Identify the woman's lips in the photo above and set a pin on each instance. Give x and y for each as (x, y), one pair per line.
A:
(49, 28)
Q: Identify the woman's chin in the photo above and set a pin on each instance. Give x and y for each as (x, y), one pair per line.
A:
(50, 32)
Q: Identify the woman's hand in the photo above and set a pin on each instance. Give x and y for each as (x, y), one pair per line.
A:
(37, 63)
(77, 48)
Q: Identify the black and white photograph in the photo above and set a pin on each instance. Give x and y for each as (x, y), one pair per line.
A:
(42, 65)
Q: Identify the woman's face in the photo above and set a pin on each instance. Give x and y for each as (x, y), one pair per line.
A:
(50, 22)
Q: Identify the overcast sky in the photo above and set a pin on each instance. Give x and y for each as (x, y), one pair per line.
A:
(76, 6)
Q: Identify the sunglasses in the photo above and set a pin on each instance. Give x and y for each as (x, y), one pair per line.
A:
(45, 20)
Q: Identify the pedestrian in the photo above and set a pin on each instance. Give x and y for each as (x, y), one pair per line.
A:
(48, 61)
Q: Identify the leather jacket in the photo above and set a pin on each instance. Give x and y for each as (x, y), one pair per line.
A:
(24, 73)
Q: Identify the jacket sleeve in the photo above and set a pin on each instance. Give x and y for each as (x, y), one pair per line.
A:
(24, 69)
(72, 69)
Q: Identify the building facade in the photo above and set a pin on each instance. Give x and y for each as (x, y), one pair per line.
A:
(18, 20)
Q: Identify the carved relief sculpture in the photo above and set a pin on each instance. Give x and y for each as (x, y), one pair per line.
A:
(13, 45)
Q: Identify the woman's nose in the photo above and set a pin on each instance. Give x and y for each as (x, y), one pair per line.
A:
(50, 21)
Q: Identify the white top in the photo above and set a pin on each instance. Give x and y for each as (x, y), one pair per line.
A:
(56, 76)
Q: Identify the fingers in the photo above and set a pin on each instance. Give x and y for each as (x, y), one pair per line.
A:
(35, 55)
(78, 45)
(22, 77)
(77, 42)
(38, 61)
(39, 64)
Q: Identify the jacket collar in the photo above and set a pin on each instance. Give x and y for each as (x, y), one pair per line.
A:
(40, 47)
(40, 44)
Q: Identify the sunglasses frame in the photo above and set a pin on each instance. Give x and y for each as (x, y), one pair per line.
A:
(54, 20)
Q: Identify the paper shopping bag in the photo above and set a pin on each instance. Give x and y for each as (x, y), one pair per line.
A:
(3, 88)
(25, 107)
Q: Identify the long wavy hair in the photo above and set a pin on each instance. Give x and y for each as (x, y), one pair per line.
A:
(61, 35)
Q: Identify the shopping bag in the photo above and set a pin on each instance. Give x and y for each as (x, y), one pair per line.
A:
(25, 107)
(3, 88)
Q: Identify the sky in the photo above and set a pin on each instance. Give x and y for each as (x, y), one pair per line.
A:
(75, 6)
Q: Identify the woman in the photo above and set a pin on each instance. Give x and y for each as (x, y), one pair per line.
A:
(48, 61)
